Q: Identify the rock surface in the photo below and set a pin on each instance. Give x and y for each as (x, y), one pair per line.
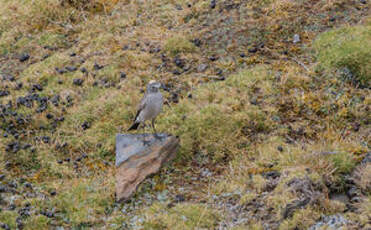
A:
(334, 222)
(138, 156)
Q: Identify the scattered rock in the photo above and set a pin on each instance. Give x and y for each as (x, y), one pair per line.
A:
(212, 4)
(122, 75)
(24, 57)
(296, 39)
(333, 222)
(201, 68)
(78, 81)
(197, 42)
(253, 50)
(85, 125)
(138, 156)
(71, 68)
(61, 71)
(97, 66)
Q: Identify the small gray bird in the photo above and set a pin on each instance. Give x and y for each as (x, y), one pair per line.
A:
(150, 105)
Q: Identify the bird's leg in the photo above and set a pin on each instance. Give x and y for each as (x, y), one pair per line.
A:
(153, 125)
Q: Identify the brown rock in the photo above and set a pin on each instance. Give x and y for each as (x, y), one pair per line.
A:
(138, 156)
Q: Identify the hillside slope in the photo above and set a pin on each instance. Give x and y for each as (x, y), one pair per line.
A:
(270, 99)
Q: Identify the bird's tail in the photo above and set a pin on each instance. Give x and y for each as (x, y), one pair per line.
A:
(134, 126)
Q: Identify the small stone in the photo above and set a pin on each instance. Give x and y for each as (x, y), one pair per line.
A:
(197, 42)
(179, 198)
(85, 125)
(296, 38)
(122, 75)
(45, 56)
(45, 139)
(179, 62)
(61, 71)
(213, 58)
(202, 67)
(24, 57)
(212, 4)
(19, 86)
(53, 193)
(49, 116)
(28, 185)
(71, 68)
(97, 66)
(83, 70)
(4, 226)
(78, 81)
(253, 50)
(37, 87)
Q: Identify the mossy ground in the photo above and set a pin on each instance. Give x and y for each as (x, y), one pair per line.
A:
(284, 118)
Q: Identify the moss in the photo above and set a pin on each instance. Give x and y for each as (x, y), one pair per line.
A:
(81, 202)
(8, 217)
(347, 47)
(182, 216)
(37, 222)
(179, 44)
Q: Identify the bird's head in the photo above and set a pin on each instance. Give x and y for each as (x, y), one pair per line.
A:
(153, 86)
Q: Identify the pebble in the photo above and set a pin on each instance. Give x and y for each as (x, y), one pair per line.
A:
(24, 57)
(202, 67)
(296, 39)
(122, 75)
(71, 68)
(212, 4)
(85, 125)
(253, 50)
(97, 66)
(78, 81)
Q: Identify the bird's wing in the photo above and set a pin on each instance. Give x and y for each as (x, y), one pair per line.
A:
(141, 106)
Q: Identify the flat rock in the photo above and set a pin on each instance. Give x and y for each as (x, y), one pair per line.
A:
(138, 156)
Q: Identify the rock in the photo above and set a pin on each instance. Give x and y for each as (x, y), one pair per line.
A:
(296, 38)
(367, 158)
(333, 222)
(86, 125)
(71, 68)
(97, 66)
(201, 67)
(78, 81)
(122, 75)
(138, 156)
(24, 57)
(212, 4)
(253, 50)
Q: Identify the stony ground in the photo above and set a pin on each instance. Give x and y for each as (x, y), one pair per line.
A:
(270, 98)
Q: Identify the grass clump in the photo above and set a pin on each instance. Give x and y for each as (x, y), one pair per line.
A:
(347, 47)
(179, 44)
(182, 216)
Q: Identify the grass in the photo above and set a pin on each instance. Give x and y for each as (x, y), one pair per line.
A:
(347, 47)
(267, 123)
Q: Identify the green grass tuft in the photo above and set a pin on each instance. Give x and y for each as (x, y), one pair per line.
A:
(347, 47)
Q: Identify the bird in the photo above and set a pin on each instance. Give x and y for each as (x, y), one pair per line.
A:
(150, 106)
